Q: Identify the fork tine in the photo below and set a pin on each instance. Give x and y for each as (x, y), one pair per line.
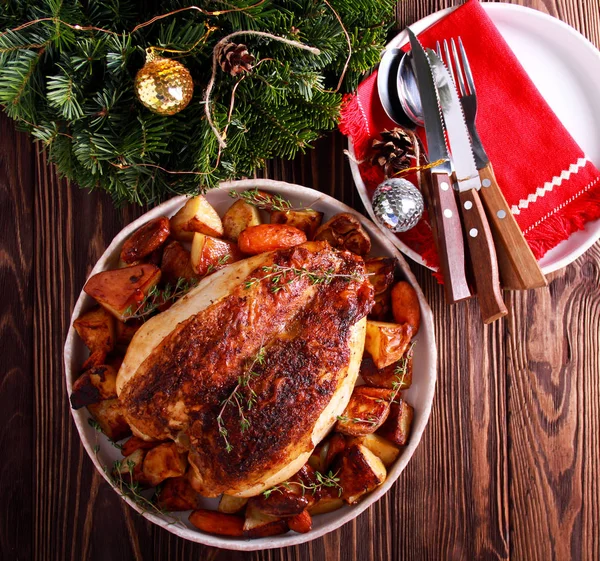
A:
(466, 66)
(461, 82)
(438, 50)
(449, 61)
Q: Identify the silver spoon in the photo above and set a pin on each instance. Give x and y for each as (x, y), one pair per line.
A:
(408, 92)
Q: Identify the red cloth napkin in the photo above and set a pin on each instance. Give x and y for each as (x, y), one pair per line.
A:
(552, 187)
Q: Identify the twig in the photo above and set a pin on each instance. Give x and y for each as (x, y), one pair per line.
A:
(343, 75)
(211, 83)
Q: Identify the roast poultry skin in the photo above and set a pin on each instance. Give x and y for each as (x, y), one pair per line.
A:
(183, 365)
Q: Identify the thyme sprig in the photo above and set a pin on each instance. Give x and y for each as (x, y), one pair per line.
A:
(131, 489)
(220, 262)
(157, 297)
(261, 200)
(236, 397)
(329, 480)
(370, 420)
(281, 276)
(401, 371)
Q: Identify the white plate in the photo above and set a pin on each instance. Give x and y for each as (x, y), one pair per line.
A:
(420, 395)
(565, 67)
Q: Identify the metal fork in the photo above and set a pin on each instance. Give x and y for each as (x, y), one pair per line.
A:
(518, 266)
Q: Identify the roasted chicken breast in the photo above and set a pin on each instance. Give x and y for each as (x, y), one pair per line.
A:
(249, 370)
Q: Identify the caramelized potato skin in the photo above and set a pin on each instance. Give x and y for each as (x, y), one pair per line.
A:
(118, 289)
(96, 329)
(163, 461)
(366, 411)
(177, 494)
(387, 342)
(405, 305)
(269, 237)
(145, 240)
(176, 263)
(398, 424)
(306, 220)
(93, 386)
(211, 254)
(381, 272)
(197, 215)
(109, 415)
(389, 377)
(360, 472)
(344, 231)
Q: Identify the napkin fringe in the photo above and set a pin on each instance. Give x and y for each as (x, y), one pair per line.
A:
(570, 217)
(354, 124)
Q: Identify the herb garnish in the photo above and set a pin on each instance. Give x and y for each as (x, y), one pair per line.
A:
(282, 276)
(157, 297)
(329, 480)
(243, 404)
(263, 201)
(372, 421)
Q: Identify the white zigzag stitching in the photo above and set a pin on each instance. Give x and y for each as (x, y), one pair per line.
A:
(549, 185)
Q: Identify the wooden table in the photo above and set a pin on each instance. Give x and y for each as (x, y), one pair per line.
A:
(508, 466)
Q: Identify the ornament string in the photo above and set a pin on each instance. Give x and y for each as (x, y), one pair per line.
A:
(424, 167)
(343, 74)
(211, 83)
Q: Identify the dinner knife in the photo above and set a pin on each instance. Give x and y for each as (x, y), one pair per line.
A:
(444, 210)
(519, 268)
(479, 236)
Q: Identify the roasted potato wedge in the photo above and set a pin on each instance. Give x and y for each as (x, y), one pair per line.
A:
(176, 264)
(398, 424)
(231, 505)
(326, 452)
(96, 329)
(164, 461)
(366, 411)
(385, 450)
(387, 342)
(306, 220)
(217, 523)
(130, 468)
(211, 254)
(120, 289)
(109, 415)
(97, 358)
(197, 215)
(395, 376)
(344, 231)
(177, 494)
(269, 237)
(145, 240)
(360, 472)
(405, 305)
(381, 272)
(239, 216)
(126, 331)
(136, 443)
(260, 525)
(280, 503)
(382, 309)
(93, 386)
(301, 523)
(327, 503)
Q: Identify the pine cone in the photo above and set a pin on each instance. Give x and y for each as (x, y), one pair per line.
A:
(394, 152)
(235, 59)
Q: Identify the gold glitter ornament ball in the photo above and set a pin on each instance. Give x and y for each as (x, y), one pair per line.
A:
(164, 86)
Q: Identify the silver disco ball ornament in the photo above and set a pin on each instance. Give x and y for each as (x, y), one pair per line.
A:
(398, 204)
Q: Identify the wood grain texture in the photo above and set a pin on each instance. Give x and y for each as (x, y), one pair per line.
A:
(508, 467)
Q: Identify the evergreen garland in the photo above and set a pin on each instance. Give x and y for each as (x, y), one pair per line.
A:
(73, 89)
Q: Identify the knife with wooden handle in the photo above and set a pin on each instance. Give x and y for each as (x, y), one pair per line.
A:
(443, 208)
(466, 177)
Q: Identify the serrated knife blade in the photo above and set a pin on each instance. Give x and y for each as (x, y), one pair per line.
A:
(463, 160)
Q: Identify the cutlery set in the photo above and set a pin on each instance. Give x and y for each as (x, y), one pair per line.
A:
(479, 242)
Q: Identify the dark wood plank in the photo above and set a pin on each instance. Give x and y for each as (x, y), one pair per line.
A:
(16, 340)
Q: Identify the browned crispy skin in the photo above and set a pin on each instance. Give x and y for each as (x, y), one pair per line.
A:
(305, 329)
